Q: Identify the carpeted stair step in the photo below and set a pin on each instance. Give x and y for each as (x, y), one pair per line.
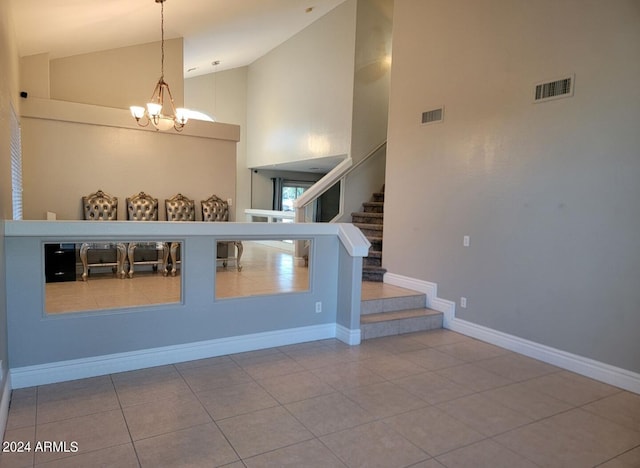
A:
(398, 322)
(367, 218)
(374, 258)
(373, 207)
(373, 273)
(378, 197)
(370, 230)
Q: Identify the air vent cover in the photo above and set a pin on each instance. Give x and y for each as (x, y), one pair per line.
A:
(434, 115)
(555, 89)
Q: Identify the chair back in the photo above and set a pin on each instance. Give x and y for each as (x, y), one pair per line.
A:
(215, 209)
(180, 208)
(100, 206)
(142, 207)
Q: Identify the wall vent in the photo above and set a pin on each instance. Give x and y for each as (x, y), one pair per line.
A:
(556, 89)
(435, 115)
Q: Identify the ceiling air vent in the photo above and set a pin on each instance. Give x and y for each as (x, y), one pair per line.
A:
(432, 116)
(555, 89)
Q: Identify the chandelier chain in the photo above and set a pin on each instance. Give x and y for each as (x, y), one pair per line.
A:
(162, 39)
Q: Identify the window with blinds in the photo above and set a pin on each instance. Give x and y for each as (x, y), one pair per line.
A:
(16, 165)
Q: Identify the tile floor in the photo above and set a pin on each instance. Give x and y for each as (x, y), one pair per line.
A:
(427, 399)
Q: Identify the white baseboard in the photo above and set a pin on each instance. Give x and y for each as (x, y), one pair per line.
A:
(344, 334)
(5, 399)
(581, 365)
(101, 365)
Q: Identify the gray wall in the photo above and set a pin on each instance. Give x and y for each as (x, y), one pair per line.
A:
(547, 192)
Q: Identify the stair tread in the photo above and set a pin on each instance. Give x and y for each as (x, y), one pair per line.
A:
(373, 203)
(397, 315)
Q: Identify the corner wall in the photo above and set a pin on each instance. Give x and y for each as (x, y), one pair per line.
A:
(547, 192)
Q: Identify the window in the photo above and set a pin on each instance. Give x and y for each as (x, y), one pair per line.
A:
(16, 165)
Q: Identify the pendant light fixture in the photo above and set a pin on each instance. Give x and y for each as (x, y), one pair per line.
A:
(163, 115)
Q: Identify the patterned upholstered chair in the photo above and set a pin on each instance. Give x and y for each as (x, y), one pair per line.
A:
(217, 210)
(178, 208)
(101, 206)
(143, 207)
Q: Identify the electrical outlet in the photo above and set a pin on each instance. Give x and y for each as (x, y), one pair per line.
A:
(465, 241)
(318, 307)
(463, 302)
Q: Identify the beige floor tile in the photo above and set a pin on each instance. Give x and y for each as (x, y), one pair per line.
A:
(472, 350)
(484, 454)
(17, 455)
(163, 416)
(212, 361)
(295, 387)
(329, 413)
(81, 388)
(145, 392)
(517, 367)
(92, 432)
(226, 402)
(432, 387)
(484, 415)
(392, 367)
(23, 410)
(215, 376)
(384, 399)
(622, 408)
(473, 377)
(433, 430)
(263, 431)
(431, 359)
(398, 343)
(149, 375)
(373, 445)
(73, 407)
(120, 456)
(574, 438)
(571, 388)
(439, 337)
(200, 446)
(312, 454)
(431, 463)
(273, 368)
(347, 375)
(532, 403)
(630, 459)
(320, 357)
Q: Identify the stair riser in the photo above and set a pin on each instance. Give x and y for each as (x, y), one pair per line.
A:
(371, 232)
(376, 276)
(390, 304)
(398, 327)
(376, 245)
(378, 197)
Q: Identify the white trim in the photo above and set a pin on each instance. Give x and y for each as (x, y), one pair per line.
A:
(346, 335)
(588, 367)
(581, 365)
(4, 403)
(101, 365)
(448, 308)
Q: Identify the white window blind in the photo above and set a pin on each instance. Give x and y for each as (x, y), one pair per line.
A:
(16, 165)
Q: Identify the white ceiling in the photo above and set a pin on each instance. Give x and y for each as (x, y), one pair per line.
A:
(235, 32)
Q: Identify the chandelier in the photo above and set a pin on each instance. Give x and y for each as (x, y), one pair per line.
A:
(162, 116)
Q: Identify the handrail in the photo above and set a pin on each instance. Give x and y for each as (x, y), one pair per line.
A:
(328, 180)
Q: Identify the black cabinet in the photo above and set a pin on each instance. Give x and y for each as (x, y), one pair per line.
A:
(59, 262)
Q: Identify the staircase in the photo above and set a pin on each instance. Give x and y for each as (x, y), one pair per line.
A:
(370, 222)
(404, 313)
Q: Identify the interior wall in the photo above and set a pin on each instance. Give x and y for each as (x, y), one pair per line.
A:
(300, 94)
(64, 161)
(119, 77)
(372, 71)
(262, 185)
(34, 76)
(223, 95)
(547, 192)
